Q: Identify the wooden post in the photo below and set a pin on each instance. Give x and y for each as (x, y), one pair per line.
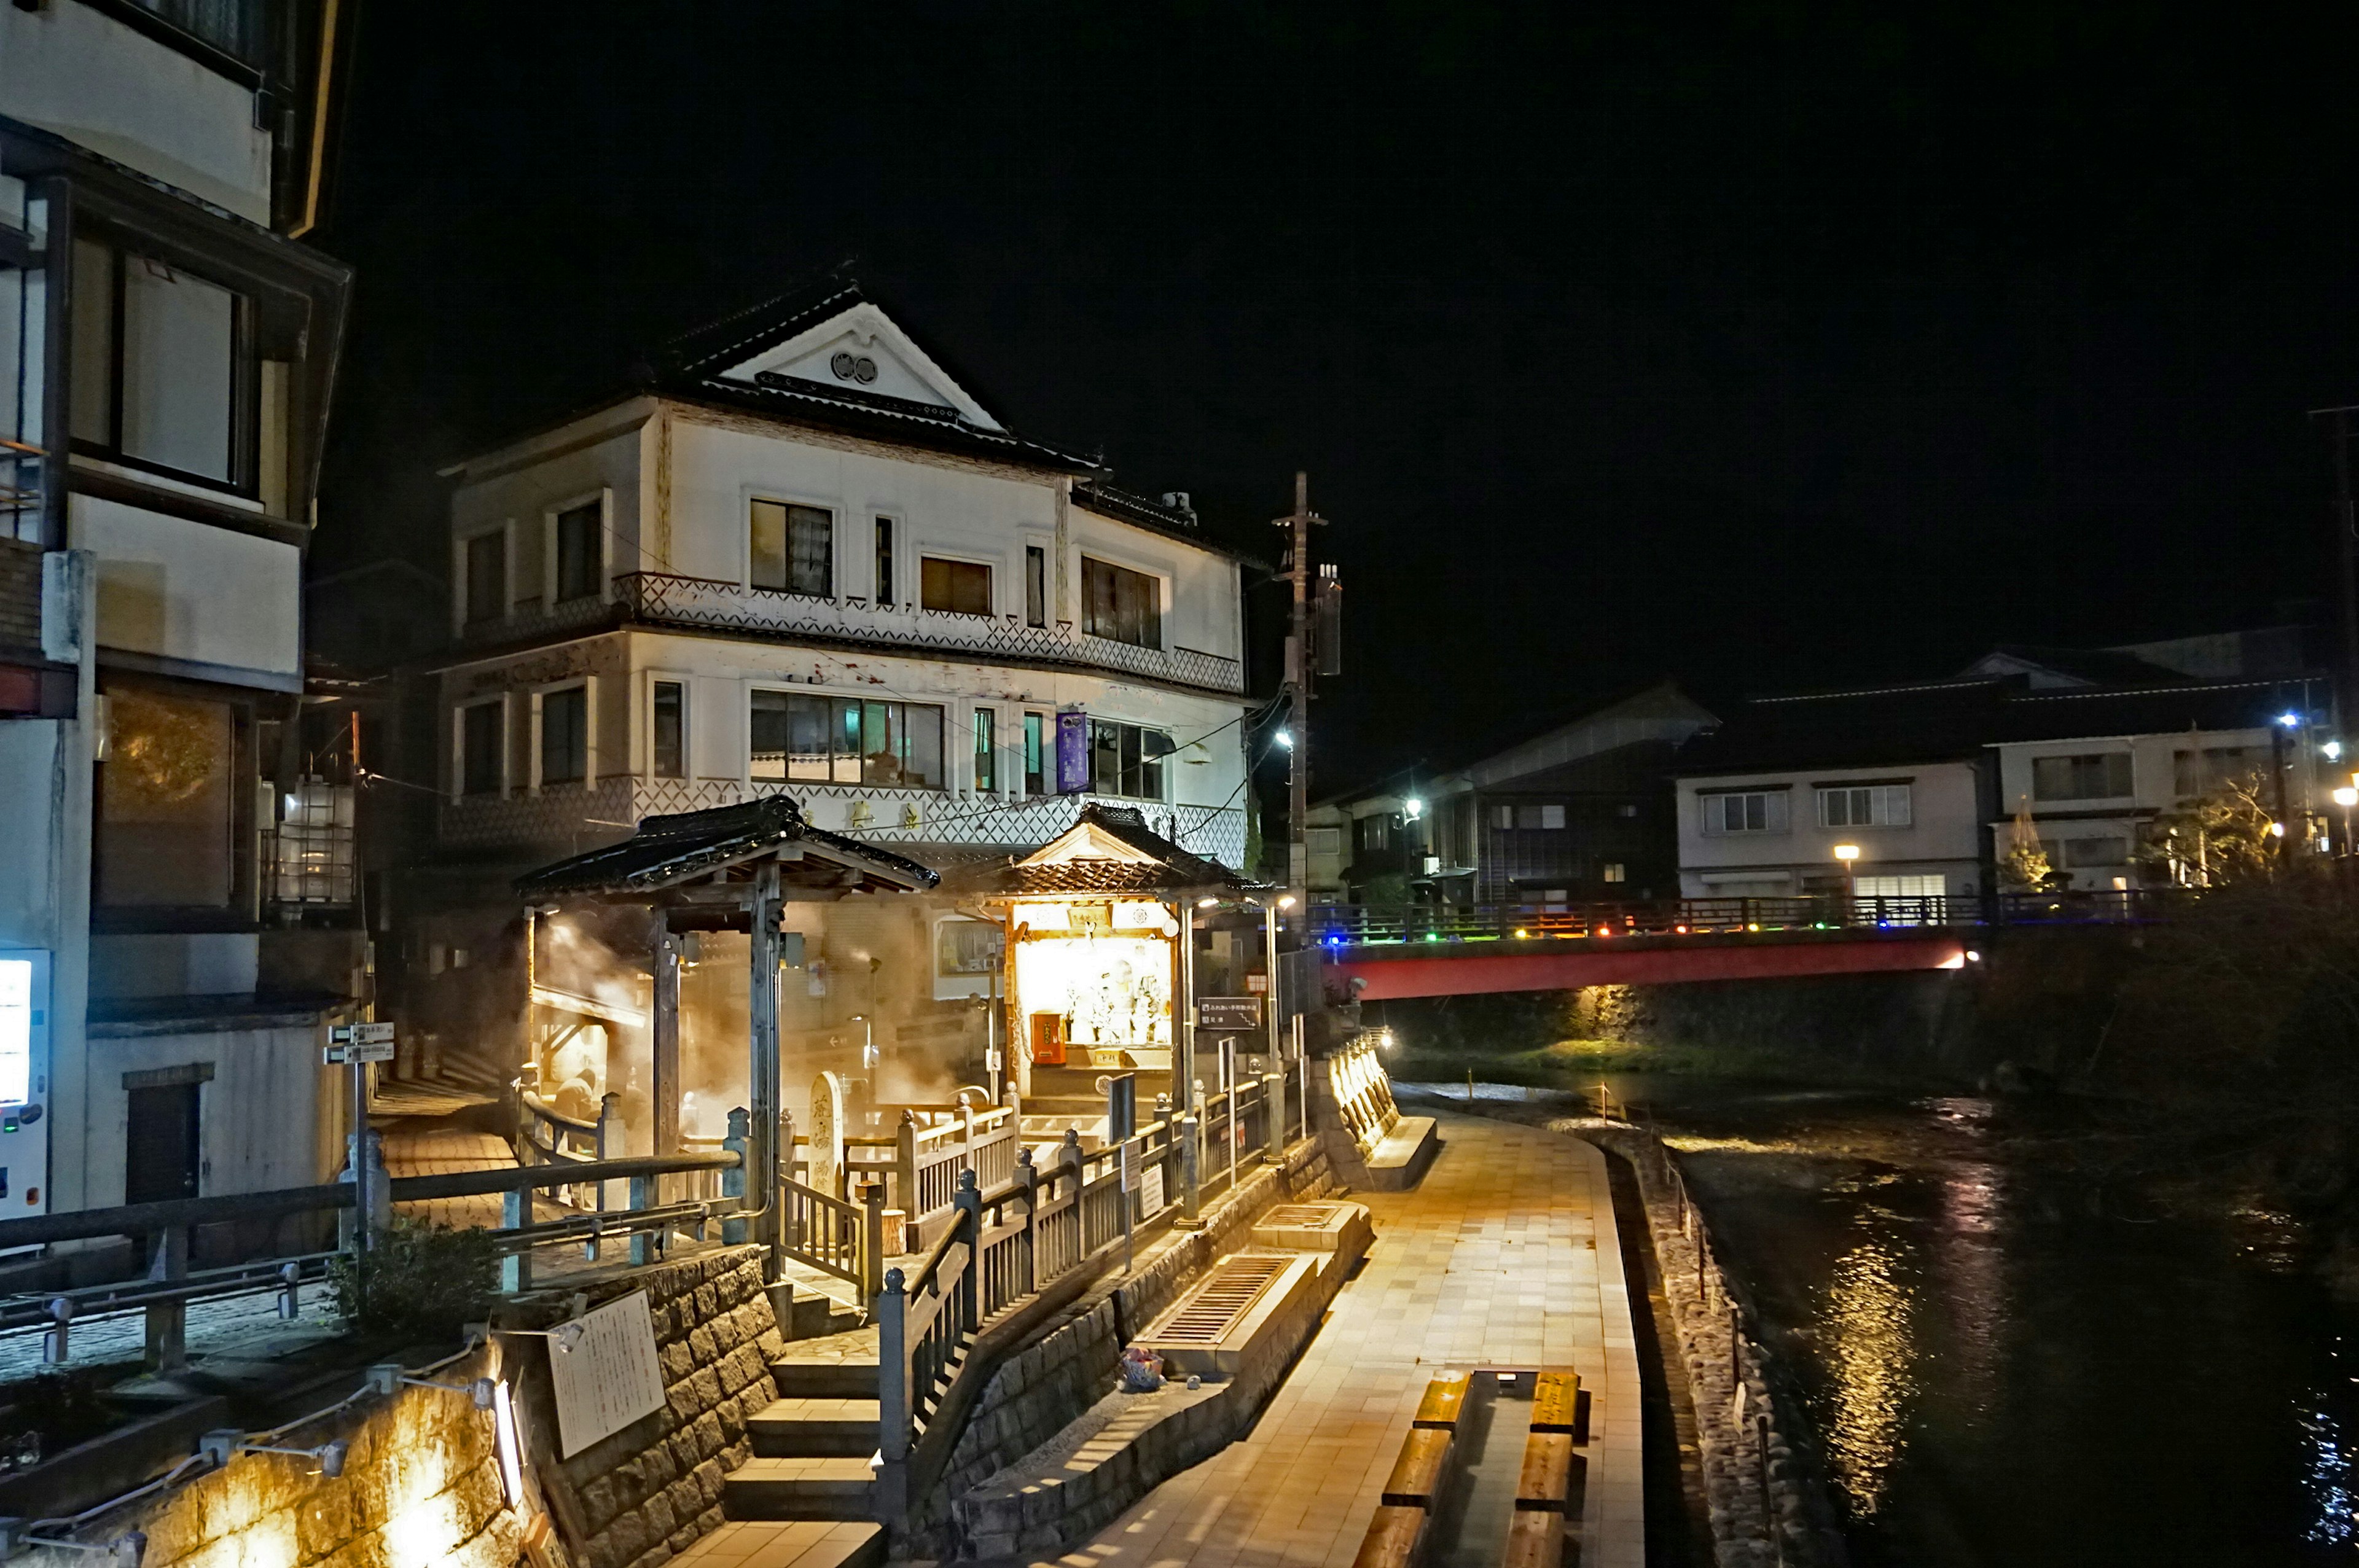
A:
(1028, 1178)
(610, 1194)
(968, 1201)
(515, 1268)
(872, 1236)
(761, 1150)
(892, 1392)
(664, 1043)
(789, 1211)
(1183, 1021)
(1189, 1160)
(645, 1244)
(168, 1322)
(905, 1165)
(733, 1179)
(1273, 1112)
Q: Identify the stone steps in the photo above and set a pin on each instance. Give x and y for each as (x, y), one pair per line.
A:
(815, 1428)
(832, 1366)
(800, 1488)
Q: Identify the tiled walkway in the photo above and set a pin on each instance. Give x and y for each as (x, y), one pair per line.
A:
(1505, 1255)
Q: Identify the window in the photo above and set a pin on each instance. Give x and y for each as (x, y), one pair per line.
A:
(965, 947)
(565, 736)
(1864, 805)
(985, 721)
(960, 588)
(1324, 841)
(2211, 768)
(2102, 776)
(1552, 817)
(487, 577)
(1502, 816)
(1372, 833)
(1932, 886)
(1627, 808)
(159, 377)
(1615, 871)
(1127, 759)
(667, 730)
(884, 560)
(579, 536)
(792, 549)
(1744, 811)
(1036, 754)
(1035, 585)
(2078, 852)
(481, 749)
(166, 804)
(845, 740)
(1121, 605)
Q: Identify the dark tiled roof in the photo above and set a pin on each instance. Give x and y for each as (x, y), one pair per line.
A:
(2159, 711)
(2098, 667)
(1172, 869)
(1868, 727)
(667, 850)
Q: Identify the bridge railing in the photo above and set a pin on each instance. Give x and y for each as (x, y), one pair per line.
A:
(1338, 924)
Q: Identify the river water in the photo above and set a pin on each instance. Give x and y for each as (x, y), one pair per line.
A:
(2000, 1378)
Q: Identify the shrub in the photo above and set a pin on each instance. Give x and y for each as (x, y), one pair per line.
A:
(416, 1283)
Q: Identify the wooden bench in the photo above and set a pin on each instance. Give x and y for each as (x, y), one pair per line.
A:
(1546, 1476)
(1416, 1475)
(1536, 1541)
(1445, 1398)
(1556, 1403)
(1393, 1538)
(1401, 1155)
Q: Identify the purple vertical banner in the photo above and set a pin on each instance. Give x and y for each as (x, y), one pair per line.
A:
(1072, 751)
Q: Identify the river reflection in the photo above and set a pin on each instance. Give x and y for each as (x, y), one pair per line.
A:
(2002, 1373)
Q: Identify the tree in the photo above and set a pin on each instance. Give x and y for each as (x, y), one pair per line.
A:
(2025, 868)
(2227, 835)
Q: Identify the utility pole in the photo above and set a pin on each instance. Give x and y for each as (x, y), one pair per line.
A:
(2346, 544)
(1299, 666)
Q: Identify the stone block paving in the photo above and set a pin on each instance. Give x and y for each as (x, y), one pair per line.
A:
(1505, 1255)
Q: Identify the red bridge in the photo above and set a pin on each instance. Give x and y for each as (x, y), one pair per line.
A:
(1442, 951)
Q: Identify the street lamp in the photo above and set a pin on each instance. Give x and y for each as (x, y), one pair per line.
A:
(1849, 855)
(2346, 797)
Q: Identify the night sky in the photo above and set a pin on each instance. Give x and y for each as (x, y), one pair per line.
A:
(1618, 340)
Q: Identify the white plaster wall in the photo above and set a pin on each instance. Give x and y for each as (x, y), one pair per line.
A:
(1946, 828)
(189, 591)
(597, 457)
(262, 1112)
(72, 69)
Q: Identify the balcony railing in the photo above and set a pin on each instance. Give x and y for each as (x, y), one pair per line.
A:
(659, 598)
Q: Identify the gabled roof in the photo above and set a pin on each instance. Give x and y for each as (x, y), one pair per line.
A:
(2210, 705)
(2052, 667)
(668, 851)
(1865, 727)
(1109, 849)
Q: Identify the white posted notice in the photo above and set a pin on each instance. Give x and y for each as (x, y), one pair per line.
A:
(610, 1377)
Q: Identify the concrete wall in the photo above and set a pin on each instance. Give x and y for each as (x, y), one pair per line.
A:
(270, 1112)
(1944, 834)
(76, 71)
(176, 590)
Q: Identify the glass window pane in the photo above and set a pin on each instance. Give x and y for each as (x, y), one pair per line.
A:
(578, 533)
(669, 730)
(811, 539)
(771, 726)
(809, 723)
(883, 586)
(847, 754)
(881, 741)
(487, 577)
(180, 336)
(767, 545)
(165, 801)
(984, 749)
(1036, 586)
(922, 746)
(479, 748)
(1036, 780)
(564, 736)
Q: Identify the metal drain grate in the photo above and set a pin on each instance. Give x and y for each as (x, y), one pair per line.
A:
(1213, 1307)
(1301, 1216)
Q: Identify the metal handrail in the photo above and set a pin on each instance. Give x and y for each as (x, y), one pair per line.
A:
(1360, 925)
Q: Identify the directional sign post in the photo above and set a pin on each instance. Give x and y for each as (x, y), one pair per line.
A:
(1231, 1014)
(355, 1045)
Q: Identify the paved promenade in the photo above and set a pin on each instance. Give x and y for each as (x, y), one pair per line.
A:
(1505, 1255)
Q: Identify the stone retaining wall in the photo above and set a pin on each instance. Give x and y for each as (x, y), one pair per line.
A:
(643, 1494)
(1754, 1466)
(1040, 1390)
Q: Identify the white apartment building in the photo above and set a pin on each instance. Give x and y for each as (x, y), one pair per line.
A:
(801, 558)
(166, 355)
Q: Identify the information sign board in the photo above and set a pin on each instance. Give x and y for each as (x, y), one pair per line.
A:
(610, 1377)
(1228, 1012)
